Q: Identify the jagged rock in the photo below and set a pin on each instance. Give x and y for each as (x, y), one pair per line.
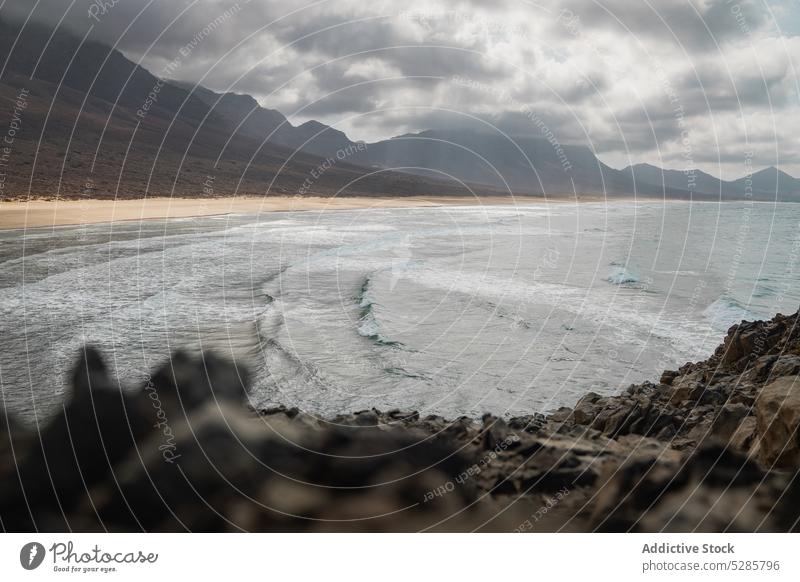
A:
(280, 409)
(778, 422)
(619, 421)
(692, 494)
(530, 423)
(716, 395)
(749, 341)
(182, 384)
(668, 376)
(183, 451)
(762, 367)
(728, 420)
(586, 409)
(495, 431)
(288, 479)
(462, 429)
(686, 388)
(703, 399)
(13, 437)
(366, 418)
(180, 462)
(433, 424)
(97, 427)
(561, 415)
(403, 415)
(558, 462)
(743, 438)
(788, 365)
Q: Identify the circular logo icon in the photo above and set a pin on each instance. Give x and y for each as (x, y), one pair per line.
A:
(31, 555)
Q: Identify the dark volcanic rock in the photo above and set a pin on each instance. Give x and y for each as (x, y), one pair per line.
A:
(778, 422)
(712, 447)
(710, 490)
(95, 430)
(183, 452)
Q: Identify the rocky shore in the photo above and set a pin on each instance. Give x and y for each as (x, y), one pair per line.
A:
(713, 446)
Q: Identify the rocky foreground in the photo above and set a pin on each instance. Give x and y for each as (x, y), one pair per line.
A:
(713, 446)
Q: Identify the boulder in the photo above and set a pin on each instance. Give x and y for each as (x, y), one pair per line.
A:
(763, 367)
(586, 409)
(530, 423)
(668, 376)
(744, 436)
(366, 418)
(778, 418)
(403, 415)
(748, 341)
(788, 365)
(495, 431)
(686, 388)
(694, 494)
(728, 420)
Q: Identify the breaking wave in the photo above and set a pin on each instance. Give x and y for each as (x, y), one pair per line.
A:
(725, 312)
(368, 325)
(620, 275)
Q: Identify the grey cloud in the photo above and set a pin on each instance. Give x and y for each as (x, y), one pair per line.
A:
(570, 75)
(690, 26)
(730, 88)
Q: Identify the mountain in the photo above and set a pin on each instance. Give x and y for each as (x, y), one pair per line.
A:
(522, 165)
(271, 125)
(694, 180)
(537, 165)
(769, 182)
(91, 123)
(519, 164)
(242, 110)
(92, 68)
(95, 124)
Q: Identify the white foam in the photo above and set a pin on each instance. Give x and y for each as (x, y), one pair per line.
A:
(621, 276)
(725, 312)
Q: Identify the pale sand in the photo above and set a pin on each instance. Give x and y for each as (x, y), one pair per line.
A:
(49, 213)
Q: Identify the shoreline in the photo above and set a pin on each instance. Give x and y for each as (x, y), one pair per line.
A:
(41, 213)
(44, 213)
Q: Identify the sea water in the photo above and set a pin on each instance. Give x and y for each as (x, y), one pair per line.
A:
(510, 309)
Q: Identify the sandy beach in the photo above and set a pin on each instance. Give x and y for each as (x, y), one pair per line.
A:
(50, 213)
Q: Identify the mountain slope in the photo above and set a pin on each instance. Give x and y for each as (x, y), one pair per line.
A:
(89, 67)
(769, 182)
(695, 180)
(94, 124)
(519, 164)
(97, 124)
(270, 124)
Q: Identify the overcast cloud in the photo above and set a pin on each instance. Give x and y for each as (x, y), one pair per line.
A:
(676, 83)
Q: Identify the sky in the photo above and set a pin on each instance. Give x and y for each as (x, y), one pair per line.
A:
(709, 84)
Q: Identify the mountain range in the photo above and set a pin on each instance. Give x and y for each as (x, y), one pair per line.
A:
(89, 123)
(95, 124)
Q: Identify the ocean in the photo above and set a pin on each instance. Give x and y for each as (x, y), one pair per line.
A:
(449, 310)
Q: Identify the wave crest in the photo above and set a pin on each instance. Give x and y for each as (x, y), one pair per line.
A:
(620, 275)
(725, 312)
(368, 325)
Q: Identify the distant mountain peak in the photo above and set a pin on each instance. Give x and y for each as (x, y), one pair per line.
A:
(773, 171)
(645, 166)
(319, 127)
